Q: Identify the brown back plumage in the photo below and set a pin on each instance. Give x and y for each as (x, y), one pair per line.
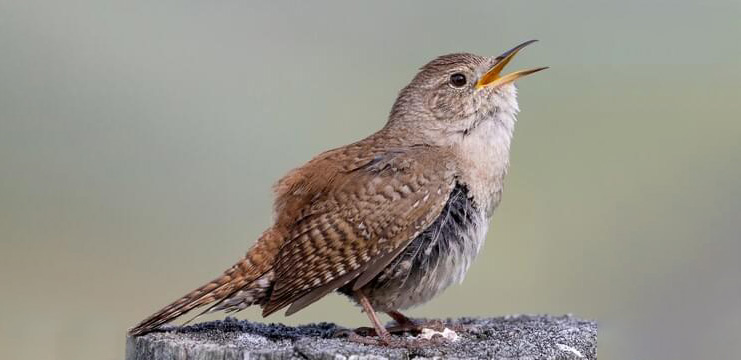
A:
(373, 208)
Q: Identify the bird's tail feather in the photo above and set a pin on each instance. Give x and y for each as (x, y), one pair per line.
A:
(246, 283)
(215, 291)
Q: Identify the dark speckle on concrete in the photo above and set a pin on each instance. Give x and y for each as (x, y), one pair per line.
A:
(512, 337)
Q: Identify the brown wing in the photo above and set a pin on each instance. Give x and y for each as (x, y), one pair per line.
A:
(362, 218)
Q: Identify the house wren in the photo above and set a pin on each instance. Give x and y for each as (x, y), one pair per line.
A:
(391, 220)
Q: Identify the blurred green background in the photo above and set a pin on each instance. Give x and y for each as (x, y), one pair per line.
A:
(139, 141)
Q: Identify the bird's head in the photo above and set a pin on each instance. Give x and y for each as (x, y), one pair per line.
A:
(453, 94)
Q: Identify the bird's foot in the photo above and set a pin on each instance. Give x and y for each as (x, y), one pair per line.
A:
(380, 335)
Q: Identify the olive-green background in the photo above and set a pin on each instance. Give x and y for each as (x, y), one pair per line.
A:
(139, 141)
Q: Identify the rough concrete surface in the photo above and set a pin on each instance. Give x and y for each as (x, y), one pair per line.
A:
(512, 337)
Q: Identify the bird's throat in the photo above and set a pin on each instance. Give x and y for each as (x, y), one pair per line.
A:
(484, 156)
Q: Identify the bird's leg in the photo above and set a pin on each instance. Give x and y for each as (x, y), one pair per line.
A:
(405, 324)
(365, 303)
(383, 334)
(400, 318)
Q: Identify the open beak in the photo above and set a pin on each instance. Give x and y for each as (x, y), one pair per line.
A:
(492, 78)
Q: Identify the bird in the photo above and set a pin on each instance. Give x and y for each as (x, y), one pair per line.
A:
(391, 220)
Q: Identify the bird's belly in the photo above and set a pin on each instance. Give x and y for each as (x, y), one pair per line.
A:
(434, 260)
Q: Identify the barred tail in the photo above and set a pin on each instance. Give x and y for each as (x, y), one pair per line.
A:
(216, 290)
(242, 285)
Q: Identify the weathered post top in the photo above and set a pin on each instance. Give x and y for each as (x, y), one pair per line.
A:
(513, 337)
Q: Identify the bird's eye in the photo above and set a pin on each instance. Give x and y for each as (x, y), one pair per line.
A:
(458, 80)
